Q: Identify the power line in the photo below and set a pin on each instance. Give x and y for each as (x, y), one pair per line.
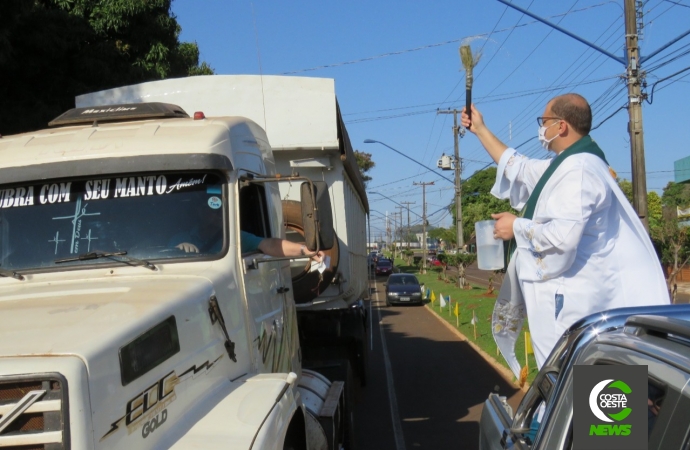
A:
(423, 47)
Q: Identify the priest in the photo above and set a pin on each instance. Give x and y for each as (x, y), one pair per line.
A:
(577, 247)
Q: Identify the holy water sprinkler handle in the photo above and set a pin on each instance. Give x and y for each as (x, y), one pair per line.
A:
(468, 104)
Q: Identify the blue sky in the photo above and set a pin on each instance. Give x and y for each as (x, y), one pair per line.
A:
(396, 62)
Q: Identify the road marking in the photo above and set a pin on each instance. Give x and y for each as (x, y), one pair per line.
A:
(393, 400)
(371, 313)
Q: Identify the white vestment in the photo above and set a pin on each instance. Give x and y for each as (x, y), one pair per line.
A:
(584, 251)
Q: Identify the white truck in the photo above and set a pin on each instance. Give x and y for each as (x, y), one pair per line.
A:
(111, 337)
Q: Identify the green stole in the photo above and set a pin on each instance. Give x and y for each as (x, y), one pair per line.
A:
(583, 145)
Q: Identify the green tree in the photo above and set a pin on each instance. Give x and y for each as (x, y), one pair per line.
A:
(365, 164)
(447, 235)
(626, 187)
(477, 202)
(460, 261)
(479, 183)
(654, 210)
(670, 235)
(53, 50)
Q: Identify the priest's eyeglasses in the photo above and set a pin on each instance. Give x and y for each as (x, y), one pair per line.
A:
(541, 120)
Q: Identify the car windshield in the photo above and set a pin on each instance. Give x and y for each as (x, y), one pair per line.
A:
(384, 264)
(145, 215)
(403, 280)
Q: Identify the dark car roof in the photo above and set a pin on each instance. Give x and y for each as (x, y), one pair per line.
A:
(403, 278)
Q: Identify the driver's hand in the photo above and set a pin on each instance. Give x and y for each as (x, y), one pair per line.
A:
(187, 247)
(318, 257)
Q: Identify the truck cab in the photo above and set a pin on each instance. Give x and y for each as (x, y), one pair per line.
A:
(132, 316)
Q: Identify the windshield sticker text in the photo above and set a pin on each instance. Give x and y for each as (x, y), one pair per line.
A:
(140, 186)
(54, 193)
(24, 196)
(96, 189)
(17, 197)
(183, 184)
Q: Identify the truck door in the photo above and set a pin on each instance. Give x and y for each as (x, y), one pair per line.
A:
(268, 291)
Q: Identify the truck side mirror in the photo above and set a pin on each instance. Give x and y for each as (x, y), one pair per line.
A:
(317, 217)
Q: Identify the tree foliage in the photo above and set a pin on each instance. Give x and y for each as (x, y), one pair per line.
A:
(444, 234)
(670, 235)
(460, 261)
(477, 202)
(626, 187)
(53, 50)
(365, 164)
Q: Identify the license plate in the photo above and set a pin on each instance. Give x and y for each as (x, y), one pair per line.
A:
(404, 299)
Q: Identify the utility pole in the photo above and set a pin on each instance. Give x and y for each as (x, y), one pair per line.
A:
(388, 232)
(458, 169)
(639, 180)
(409, 246)
(395, 226)
(399, 214)
(423, 185)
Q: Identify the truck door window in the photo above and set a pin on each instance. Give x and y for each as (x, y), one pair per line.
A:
(144, 214)
(254, 216)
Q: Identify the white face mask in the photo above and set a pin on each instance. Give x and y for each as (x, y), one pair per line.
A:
(542, 136)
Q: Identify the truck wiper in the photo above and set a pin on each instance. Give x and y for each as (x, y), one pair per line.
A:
(11, 274)
(98, 255)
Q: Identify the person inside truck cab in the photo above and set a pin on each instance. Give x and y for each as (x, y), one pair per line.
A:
(206, 236)
(275, 246)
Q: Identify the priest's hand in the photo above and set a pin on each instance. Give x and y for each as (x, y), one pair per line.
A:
(476, 125)
(504, 225)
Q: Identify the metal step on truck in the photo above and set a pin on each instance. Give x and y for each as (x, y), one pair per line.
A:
(115, 336)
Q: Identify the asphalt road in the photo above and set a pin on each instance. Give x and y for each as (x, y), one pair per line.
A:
(426, 386)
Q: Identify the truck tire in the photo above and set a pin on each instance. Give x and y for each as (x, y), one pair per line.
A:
(308, 285)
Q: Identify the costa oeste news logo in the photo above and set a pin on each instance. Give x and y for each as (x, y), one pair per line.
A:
(610, 407)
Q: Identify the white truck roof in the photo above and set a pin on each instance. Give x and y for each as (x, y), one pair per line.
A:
(296, 112)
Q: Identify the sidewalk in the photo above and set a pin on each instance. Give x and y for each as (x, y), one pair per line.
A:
(683, 295)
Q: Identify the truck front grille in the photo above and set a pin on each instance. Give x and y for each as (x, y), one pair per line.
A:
(33, 424)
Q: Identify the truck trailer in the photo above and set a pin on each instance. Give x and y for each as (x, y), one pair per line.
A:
(113, 337)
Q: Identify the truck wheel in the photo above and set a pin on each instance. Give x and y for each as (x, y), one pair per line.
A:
(308, 285)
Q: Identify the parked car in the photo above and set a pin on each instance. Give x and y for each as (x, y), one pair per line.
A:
(435, 262)
(384, 267)
(403, 288)
(657, 337)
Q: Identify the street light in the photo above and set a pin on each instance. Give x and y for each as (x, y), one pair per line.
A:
(372, 141)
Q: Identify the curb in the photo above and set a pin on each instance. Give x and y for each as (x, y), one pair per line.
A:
(505, 373)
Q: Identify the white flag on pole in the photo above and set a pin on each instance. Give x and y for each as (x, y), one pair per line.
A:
(443, 302)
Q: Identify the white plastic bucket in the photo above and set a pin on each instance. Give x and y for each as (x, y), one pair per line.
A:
(489, 249)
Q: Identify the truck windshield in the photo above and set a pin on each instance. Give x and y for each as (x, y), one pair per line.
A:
(155, 216)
